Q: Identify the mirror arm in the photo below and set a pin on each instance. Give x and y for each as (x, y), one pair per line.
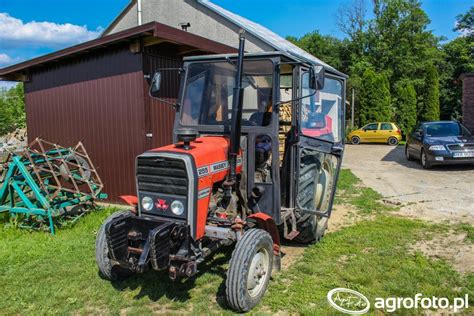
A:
(297, 99)
(174, 105)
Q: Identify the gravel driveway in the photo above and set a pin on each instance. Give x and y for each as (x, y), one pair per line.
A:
(442, 193)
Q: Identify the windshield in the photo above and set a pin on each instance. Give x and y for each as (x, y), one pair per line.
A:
(446, 129)
(209, 91)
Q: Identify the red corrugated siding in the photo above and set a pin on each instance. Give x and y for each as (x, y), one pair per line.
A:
(106, 114)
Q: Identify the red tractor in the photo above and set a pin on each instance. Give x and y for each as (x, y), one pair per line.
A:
(244, 171)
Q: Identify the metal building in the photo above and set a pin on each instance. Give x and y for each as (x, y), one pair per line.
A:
(97, 93)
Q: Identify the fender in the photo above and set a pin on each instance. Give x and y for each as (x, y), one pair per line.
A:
(267, 223)
(131, 200)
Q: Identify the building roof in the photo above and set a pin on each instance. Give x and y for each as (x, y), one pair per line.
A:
(155, 29)
(262, 33)
(267, 36)
(466, 74)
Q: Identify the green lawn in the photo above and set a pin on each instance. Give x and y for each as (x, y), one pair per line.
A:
(41, 274)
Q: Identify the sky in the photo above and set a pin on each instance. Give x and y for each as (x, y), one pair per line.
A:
(31, 28)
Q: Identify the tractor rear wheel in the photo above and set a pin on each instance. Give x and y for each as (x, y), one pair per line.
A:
(313, 227)
(250, 269)
(106, 269)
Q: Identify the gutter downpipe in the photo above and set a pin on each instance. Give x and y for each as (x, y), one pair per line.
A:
(139, 12)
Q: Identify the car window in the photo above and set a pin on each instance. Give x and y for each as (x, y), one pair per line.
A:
(371, 127)
(386, 127)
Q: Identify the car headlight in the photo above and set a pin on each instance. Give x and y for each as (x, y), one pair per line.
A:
(436, 147)
(147, 203)
(177, 208)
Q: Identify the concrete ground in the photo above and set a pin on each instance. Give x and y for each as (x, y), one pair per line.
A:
(444, 193)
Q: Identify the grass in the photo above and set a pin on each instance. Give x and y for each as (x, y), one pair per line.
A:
(41, 274)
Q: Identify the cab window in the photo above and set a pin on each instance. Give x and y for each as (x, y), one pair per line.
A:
(371, 127)
(386, 127)
(209, 92)
(321, 113)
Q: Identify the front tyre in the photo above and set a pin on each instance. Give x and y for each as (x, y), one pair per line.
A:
(407, 154)
(250, 269)
(425, 163)
(106, 269)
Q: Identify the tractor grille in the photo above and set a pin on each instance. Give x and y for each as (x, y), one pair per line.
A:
(162, 175)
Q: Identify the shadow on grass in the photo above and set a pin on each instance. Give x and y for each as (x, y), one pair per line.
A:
(157, 284)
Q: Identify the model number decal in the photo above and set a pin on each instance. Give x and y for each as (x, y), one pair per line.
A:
(217, 167)
(203, 171)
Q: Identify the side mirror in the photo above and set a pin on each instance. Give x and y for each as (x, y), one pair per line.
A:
(317, 77)
(155, 83)
(418, 134)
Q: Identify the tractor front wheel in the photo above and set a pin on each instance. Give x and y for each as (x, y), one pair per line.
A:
(106, 269)
(250, 270)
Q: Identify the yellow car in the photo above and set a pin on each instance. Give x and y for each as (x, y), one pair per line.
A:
(388, 133)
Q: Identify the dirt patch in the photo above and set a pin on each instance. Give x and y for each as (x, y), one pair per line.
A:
(452, 247)
(342, 216)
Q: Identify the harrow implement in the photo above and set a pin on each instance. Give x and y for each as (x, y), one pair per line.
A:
(46, 181)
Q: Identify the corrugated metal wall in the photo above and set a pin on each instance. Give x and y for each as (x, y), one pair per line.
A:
(99, 100)
(161, 115)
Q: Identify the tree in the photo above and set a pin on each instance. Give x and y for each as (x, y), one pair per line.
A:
(374, 98)
(12, 109)
(429, 107)
(325, 47)
(405, 102)
(465, 23)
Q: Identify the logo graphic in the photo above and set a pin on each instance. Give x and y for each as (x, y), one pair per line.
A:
(348, 301)
(161, 205)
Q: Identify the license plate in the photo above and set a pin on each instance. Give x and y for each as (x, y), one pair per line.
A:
(463, 155)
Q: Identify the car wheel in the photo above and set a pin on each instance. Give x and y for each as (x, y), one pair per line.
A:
(424, 160)
(407, 154)
(393, 141)
(250, 268)
(355, 140)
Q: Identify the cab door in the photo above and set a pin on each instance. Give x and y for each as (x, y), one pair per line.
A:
(320, 144)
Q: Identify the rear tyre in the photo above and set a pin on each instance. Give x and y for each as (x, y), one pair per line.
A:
(106, 269)
(392, 141)
(424, 161)
(250, 269)
(408, 155)
(313, 227)
(355, 140)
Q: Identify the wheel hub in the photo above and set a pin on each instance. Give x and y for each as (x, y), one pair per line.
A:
(257, 272)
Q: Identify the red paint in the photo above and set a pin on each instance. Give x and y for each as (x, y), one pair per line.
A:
(267, 223)
(207, 151)
(130, 199)
(315, 132)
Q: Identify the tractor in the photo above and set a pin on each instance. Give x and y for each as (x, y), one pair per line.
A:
(258, 145)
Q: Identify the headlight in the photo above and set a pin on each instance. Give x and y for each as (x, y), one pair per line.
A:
(436, 147)
(147, 203)
(177, 208)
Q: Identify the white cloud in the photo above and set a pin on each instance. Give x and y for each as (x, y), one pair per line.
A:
(14, 33)
(6, 60)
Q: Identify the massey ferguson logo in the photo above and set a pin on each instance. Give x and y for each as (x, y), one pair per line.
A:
(161, 205)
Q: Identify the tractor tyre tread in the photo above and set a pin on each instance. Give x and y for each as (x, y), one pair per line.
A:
(236, 282)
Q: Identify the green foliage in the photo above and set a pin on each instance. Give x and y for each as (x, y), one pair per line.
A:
(429, 107)
(465, 22)
(374, 97)
(326, 47)
(12, 109)
(405, 100)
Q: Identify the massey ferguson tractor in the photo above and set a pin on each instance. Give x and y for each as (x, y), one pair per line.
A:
(258, 148)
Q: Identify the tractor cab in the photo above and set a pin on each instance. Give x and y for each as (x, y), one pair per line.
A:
(258, 144)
